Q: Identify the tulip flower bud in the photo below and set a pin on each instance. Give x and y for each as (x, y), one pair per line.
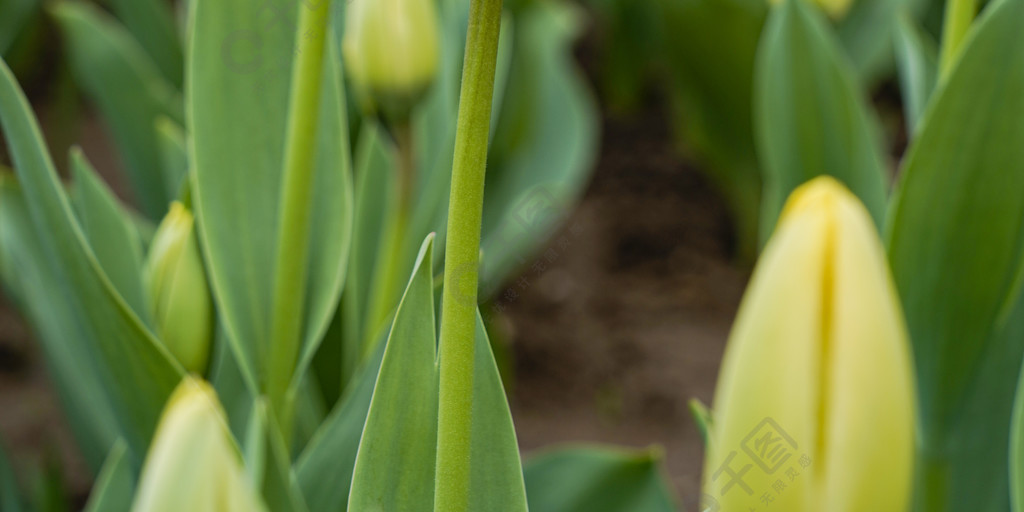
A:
(836, 9)
(193, 463)
(391, 50)
(815, 405)
(179, 298)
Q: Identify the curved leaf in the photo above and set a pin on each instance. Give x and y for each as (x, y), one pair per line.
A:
(956, 242)
(152, 23)
(130, 92)
(810, 116)
(137, 371)
(597, 479)
(115, 485)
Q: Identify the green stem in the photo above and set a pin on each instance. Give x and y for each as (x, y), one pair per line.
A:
(462, 258)
(388, 277)
(959, 16)
(295, 210)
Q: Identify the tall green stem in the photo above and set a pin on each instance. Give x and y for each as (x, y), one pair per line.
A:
(462, 257)
(959, 16)
(295, 209)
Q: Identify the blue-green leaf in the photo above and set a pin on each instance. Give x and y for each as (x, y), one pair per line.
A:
(115, 485)
(597, 479)
(917, 56)
(152, 23)
(810, 115)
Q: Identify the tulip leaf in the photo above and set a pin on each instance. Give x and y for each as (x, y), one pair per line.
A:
(544, 146)
(115, 485)
(866, 32)
(597, 479)
(332, 450)
(86, 403)
(712, 93)
(13, 16)
(237, 98)
(137, 371)
(10, 497)
(810, 115)
(917, 56)
(152, 24)
(173, 154)
(129, 91)
(702, 417)
(956, 241)
(267, 461)
(395, 466)
(114, 241)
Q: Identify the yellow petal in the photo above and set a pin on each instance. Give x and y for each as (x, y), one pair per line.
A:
(814, 407)
(192, 463)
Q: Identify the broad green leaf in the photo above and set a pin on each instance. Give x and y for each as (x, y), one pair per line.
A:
(917, 57)
(115, 485)
(496, 472)
(13, 16)
(545, 143)
(810, 116)
(114, 241)
(956, 233)
(237, 99)
(129, 91)
(152, 24)
(866, 32)
(173, 153)
(266, 459)
(137, 371)
(324, 470)
(710, 47)
(597, 479)
(40, 294)
(10, 497)
(395, 466)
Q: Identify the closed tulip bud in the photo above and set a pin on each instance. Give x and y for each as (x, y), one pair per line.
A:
(193, 464)
(836, 9)
(815, 405)
(391, 50)
(179, 298)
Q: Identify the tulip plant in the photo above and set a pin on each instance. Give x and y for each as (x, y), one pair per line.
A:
(286, 323)
(818, 405)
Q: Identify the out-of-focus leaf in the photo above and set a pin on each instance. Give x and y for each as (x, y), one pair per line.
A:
(866, 33)
(597, 479)
(917, 57)
(237, 99)
(702, 417)
(10, 497)
(544, 146)
(267, 461)
(137, 371)
(73, 365)
(710, 48)
(810, 115)
(152, 23)
(324, 470)
(397, 453)
(114, 241)
(128, 89)
(956, 234)
(115, 485)
(173, 153)
(48, 492)
(13, 15)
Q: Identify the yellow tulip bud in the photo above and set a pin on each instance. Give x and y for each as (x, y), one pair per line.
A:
(193, 464)
(815, 405)
(835, 9)
(179, 298)
(391, 51)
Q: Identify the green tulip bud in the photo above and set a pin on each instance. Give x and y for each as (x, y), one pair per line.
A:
(179, 298)
(193, 463)
(815, 405)
(391, 50)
